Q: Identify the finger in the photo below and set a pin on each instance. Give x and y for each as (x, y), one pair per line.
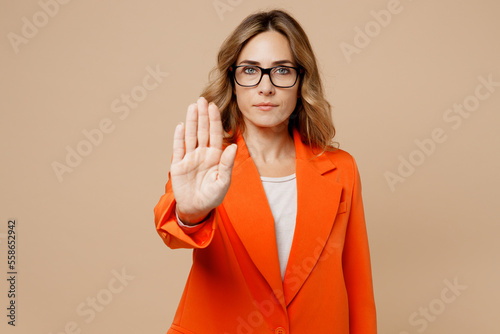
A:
(202, 122)
(191, 127)
(226, 163)
(216, 133)
(178, 143)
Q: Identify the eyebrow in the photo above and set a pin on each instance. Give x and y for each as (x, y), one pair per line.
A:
(278, 62)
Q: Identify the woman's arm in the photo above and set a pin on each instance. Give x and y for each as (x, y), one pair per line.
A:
(357, 266)
(174, 235)
(199, 178)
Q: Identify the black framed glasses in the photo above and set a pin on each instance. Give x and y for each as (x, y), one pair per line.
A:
(280, 76)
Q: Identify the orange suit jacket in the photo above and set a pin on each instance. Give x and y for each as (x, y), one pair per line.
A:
(235, 285)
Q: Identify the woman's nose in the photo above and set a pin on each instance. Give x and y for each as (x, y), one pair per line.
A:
(266, 86)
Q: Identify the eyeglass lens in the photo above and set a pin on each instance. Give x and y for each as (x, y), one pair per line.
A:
(281, 76)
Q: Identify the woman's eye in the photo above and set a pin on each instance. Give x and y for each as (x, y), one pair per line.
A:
(282, 70)
(249, 70)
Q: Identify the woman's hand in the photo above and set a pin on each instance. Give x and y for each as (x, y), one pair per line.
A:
(200, 170)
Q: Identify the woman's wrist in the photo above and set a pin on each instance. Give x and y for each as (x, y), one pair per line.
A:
(191, 219)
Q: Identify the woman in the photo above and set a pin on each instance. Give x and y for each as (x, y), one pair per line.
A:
(272, 210)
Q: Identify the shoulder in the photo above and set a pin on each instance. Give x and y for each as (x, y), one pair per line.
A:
(341, 159)
(346, 169)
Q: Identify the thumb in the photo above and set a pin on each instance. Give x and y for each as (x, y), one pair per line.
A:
(227, 162)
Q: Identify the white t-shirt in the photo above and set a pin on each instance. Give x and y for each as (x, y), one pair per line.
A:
(281, 194)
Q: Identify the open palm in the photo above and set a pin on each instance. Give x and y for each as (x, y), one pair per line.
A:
(200, 170)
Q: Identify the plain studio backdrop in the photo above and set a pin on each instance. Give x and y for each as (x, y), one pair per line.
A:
(91, 92)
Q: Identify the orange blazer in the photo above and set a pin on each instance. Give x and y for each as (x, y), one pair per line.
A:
(235, 285)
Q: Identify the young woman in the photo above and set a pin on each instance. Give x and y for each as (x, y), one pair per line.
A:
(271, 208)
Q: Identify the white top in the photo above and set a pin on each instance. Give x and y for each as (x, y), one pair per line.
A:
(281, 194)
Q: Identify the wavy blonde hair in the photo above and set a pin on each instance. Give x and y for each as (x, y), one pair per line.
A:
(312, 114)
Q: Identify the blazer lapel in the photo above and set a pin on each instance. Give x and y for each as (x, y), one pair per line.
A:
(318, 199)
(249, 212)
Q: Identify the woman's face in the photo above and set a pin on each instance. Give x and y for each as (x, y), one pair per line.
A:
(266, 106)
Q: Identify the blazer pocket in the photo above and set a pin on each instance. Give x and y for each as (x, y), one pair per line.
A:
(342, 207)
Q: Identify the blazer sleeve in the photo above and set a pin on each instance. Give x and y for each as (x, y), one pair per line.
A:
(169, 230)
(357, 266)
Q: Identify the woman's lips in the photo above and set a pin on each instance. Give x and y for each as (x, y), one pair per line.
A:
(265, 106)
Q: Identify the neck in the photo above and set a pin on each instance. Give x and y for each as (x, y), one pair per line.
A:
(269, 144)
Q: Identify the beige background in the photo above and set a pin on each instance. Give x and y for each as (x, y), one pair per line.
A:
(440, 224)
